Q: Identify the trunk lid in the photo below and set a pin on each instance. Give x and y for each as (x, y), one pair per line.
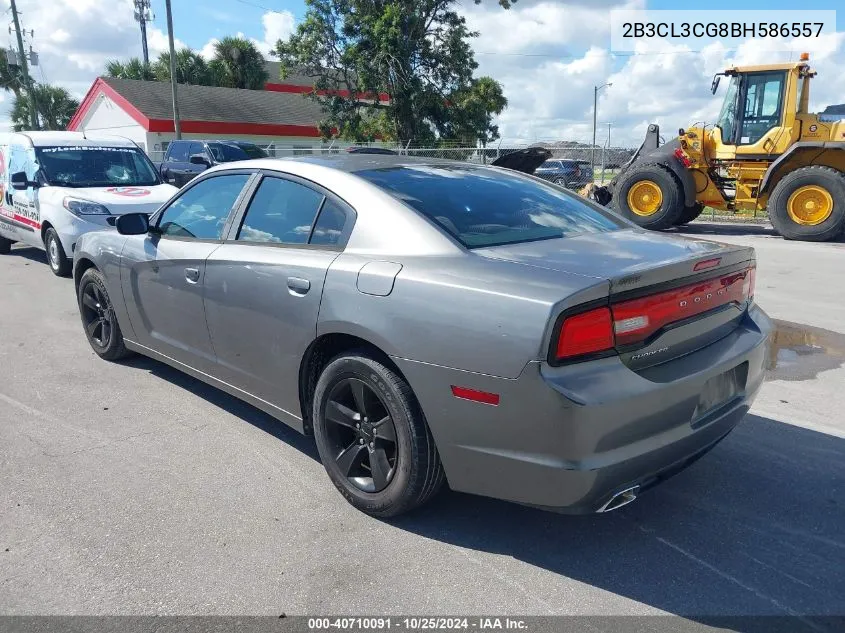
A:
(697, 284)
(629, 259)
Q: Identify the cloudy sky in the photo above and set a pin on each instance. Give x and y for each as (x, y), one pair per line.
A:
(548, 55)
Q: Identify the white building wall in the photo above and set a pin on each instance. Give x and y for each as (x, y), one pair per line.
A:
(105, 117)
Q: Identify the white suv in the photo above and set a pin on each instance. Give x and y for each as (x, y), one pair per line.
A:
(55, 186)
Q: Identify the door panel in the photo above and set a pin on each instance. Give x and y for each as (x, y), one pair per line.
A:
(261, 305)
(263, 287)
(162, 283)
(163, 273)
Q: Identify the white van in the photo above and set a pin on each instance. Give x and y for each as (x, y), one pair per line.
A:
(55, 186)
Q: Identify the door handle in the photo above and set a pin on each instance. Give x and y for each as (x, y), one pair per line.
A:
(298, 285)
(192, 275)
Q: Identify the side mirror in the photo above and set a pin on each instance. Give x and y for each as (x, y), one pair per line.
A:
(199, 159)
(715, 85)
(132, 224)
(20, 181)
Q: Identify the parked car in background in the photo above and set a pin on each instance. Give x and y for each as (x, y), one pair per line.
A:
(56, 186)
(434, 320)
(566, 172)
(185, 159)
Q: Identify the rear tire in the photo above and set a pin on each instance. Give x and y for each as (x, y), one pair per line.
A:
(689, 214)
(56, 257)
(649, 195)
(411, 473)
(5, 246)
(809, 204)
(95, 307)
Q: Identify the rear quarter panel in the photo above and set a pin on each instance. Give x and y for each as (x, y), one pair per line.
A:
(464, 311)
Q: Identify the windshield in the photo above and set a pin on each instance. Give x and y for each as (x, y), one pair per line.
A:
(83, 166)
(486, 207)
(226, 153)
(727, 117)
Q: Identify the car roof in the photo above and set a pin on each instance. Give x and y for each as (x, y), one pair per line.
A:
(53, 139)
(352, 162)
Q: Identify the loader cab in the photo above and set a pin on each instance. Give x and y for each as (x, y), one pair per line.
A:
(757, 119)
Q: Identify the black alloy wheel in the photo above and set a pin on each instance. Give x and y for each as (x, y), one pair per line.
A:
(361, 435)
(97, 317)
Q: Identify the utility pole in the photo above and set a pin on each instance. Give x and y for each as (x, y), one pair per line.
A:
(143, 14)
(176, 126)
(595, 109)
(33, 109)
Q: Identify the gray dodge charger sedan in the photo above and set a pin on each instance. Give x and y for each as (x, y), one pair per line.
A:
(433, 321)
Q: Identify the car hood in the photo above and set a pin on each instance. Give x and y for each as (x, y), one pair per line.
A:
(525, 160)
(628, 258)
(119, 200)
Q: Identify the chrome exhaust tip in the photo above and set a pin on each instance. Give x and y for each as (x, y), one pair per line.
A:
(621, 498)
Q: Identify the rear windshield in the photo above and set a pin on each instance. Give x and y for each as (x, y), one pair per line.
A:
(226, 153)
(487, 207)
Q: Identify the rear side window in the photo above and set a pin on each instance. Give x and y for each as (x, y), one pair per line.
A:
(486, 207)
(281, 212)
(329, 226)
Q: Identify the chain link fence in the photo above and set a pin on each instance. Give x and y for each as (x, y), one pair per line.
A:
(568, 166)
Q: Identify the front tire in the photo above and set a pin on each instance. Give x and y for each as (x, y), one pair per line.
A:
(56, 257)
(98, 318)
(372, 437)
(809, 204)
(649, 195)
(5, 245)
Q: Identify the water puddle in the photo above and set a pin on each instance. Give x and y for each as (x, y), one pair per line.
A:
(800, 352)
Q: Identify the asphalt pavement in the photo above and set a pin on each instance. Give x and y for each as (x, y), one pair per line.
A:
(131, 488)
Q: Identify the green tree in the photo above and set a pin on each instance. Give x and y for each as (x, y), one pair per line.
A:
(237, 63)
(10, 77)
(55, 108)
(191, 68)
(132, 69)
(416, 51)
(474, 108)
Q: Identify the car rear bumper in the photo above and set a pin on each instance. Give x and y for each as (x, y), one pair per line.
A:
(569, 438)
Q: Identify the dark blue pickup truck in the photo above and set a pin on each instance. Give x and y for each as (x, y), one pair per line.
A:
(185, 159)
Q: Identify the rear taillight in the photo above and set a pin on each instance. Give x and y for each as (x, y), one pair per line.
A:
(586, 333)
(635, 320)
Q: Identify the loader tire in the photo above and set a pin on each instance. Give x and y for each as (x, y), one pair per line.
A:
(649, 195)
(808, 204)
(689, 214)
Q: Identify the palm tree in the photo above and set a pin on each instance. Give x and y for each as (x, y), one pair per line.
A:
(55, 108)
(238, 63)
(191, 68)
(132, 69)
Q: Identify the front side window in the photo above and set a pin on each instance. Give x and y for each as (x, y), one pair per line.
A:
(202, 210)
(84, 166)
(179, 152)
(281, 212)
(480, 206)
(763, 98)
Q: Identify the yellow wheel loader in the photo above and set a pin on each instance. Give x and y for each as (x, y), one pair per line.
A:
(765, 151)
